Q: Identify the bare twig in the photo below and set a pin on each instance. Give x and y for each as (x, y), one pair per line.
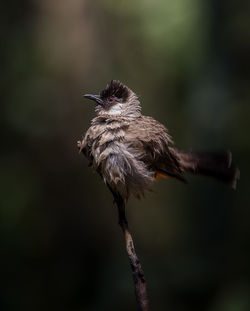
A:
(137, 272)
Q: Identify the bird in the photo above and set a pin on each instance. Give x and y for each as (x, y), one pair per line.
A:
(131, 151)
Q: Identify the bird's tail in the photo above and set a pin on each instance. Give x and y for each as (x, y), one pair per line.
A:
(216, 165)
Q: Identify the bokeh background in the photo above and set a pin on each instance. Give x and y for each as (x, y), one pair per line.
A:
(61, 246)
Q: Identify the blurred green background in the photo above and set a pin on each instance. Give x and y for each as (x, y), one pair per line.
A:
(61, 246)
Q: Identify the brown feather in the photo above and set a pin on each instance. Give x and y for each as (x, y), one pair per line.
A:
(130, 151)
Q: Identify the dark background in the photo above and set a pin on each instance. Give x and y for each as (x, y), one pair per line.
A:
(61, 246)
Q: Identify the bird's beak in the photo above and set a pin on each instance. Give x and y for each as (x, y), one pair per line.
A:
(96, 98)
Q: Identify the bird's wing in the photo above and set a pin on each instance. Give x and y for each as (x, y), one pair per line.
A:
(153, 144)
(85, 146)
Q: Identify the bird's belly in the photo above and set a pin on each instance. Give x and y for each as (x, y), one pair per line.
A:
(122, 169)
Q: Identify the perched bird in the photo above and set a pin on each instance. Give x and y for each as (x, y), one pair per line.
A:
(130, 151)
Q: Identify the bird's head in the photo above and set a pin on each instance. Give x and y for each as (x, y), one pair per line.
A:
(116, 100)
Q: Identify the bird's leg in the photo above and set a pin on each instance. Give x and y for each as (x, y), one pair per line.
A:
(137, 272)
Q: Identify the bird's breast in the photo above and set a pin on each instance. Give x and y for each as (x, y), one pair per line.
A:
(107, 140)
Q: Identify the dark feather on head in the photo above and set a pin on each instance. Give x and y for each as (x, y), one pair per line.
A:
(117, 89)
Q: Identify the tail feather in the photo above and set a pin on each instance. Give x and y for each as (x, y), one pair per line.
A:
(216, 165)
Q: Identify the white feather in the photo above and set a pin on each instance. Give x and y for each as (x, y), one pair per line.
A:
(115, 110)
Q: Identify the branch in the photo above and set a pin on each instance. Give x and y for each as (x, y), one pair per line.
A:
(137, 272)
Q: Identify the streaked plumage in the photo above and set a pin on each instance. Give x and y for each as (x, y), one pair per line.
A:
(130, 150)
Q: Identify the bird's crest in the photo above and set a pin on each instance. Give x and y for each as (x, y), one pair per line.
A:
(117, 89)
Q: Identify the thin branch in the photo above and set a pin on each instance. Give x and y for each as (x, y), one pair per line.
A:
(137, 272)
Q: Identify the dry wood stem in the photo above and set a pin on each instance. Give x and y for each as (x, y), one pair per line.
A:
(137, 272)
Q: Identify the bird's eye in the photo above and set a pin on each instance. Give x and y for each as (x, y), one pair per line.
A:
(111, 99)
